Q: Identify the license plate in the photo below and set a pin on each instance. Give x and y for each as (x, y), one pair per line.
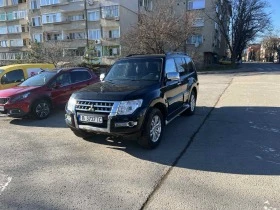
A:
(90, 118)
(2, 108)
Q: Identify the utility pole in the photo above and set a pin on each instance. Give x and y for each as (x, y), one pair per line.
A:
(86, 18)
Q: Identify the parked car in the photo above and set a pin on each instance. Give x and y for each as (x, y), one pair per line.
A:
(12, 75)
(139, 95)
(46, 90)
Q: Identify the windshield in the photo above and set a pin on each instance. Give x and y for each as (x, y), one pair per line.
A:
(39, 79)
(136, 69)
(1, 71)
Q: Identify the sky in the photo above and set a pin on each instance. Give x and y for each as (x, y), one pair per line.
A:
(275, 10)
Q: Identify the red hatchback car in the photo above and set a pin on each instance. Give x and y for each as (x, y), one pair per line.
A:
(49, 89)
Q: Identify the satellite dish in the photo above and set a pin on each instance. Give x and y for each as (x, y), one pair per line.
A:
(196, 44)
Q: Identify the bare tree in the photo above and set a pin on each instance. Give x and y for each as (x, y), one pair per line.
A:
(159, 30)
(48, 52)
(245, 20)
(271, 44)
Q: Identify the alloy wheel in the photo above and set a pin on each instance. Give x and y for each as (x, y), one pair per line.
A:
(42, 110)
(155, 130)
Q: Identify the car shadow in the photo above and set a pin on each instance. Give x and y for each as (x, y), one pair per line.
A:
(55, 120)
(236, 140)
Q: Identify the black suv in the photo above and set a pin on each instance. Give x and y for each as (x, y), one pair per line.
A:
(139, 95)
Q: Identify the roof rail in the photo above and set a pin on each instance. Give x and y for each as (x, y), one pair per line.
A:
(176, 53)
(133, 55)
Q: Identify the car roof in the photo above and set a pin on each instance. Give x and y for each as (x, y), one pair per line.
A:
(172, 54)
(24, 64)
(70, 69)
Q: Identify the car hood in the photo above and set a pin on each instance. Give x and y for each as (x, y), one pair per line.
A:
(15, 91)
(117, 90)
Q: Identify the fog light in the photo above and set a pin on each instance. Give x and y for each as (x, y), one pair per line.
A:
(68, 118)
(126, 124)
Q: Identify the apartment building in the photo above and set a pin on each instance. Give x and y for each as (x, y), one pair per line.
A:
(206, 43)
(82, 23)
(14, 30)
(79, 24)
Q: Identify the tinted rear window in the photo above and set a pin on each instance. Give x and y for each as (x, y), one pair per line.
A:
(79, 76)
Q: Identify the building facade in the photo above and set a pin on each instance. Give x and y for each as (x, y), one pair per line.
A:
(206, 44)
(207, 41)
(79, 24)
(14, 30)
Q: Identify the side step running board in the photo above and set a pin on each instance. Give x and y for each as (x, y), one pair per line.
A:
(185, 106)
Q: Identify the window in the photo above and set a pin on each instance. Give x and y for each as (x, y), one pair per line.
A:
(21, 1)
(48, 2)
(16, 43)
(14, 29)
(76, 17)
(198, 22)
(195, 39)
(80, 51)
(13, 77)
(196, 4)
(191, 66)
(147, 4)
(56, 37)
(79, 76)
(114, 33)
(181, 65)
(3, 30)
(36, 21)
(2, 16)
(94, 34)
(94, 15)
(110, 11)
(170, 66)
(111, 50)
(2, 3)
(4, 43)
(63, 80)
(51, 18)
(34, 4)
(19, 14)
(76, 35)
(37, 37)
(15, 2)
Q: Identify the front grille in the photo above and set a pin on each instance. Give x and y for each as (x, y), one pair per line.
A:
(94, 106)
(4, 100)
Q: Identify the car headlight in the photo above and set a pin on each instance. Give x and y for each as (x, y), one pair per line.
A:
(71, 104)
(20, 97)
(128, 107)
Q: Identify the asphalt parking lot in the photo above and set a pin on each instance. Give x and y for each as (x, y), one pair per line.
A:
(226, 156)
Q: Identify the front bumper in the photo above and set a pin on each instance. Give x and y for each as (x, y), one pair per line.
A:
(117, 125)
(18, 109)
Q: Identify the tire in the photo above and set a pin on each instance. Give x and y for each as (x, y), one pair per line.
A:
(81, 134)
(192, 101)
(41, 109)
(153, 128)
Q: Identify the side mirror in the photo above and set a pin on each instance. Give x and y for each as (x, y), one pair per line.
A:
(102, 76)
(173, 76)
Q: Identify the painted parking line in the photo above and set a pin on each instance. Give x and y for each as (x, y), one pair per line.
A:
(4, 182)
